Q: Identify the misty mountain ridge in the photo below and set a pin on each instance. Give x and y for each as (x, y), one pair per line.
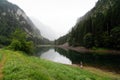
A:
(46, 31)
(12, 18)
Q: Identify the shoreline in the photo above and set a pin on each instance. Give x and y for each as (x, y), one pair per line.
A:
(83, 49)
(97, 70)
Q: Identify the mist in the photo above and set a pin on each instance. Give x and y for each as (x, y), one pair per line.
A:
(45, 30)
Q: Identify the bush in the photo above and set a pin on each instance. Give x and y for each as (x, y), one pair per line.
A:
(28, 47)
(20, 43)
(15, 45)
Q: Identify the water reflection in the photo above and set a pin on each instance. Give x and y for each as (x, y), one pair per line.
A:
(109, 62)
(55, 56)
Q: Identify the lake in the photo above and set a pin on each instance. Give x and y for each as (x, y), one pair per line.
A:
(109, 62)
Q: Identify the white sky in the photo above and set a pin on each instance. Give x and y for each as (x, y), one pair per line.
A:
(60, 15)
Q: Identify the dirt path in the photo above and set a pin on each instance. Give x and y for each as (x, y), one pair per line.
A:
(1, 66)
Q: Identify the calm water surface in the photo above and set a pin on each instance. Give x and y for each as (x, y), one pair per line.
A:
(109, 62)
(55, 56)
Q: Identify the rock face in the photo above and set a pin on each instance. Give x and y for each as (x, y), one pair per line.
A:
(12, 18)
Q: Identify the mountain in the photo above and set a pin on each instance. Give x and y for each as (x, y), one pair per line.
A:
(62, 40)
(46, 31)
(12, 18)
(99, 27)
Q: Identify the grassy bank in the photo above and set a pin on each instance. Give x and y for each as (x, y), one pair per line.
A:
(19, 66)
(0, 66)
(2, 61)
(0, 56)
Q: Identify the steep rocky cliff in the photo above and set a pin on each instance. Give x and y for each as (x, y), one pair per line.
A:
(12, 18)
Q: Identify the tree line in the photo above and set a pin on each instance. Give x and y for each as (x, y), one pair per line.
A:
(100, 27)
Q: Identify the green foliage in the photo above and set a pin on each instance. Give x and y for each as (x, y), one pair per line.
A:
(9, 21)
(28, 47)
(1, 55)
(115, 37)
(103, 22)
(15, 45)
(71, 38)
(106, 40)
(88, 40)
(4, 40)
(20, 43)
(19, 66)
(19, 35)
(61, 40)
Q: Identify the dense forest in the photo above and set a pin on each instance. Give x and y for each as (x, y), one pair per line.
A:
(100, 27)
(13, 18)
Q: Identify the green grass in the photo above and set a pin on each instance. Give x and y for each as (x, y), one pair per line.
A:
(1, 56)
(95, 48)
(19, 66)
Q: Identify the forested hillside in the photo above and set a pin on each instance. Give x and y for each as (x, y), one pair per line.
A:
(61, 40)
(12, 18)
(100, 27)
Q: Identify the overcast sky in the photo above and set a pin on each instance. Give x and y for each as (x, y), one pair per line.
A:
(59, 15)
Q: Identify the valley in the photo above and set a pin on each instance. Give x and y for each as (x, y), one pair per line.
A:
(31, 50)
